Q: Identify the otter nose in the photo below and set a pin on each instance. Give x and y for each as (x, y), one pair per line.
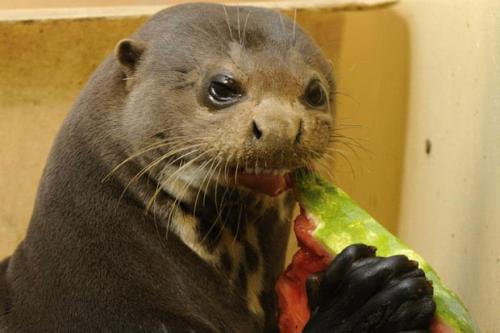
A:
(280, 131)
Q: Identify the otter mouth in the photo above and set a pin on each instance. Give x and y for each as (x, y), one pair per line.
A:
(267, 181)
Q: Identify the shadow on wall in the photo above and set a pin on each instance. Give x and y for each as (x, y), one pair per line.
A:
(372, 68)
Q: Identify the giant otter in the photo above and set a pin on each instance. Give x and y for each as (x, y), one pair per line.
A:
(150, 215)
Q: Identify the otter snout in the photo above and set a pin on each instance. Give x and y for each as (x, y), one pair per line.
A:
(276, 127)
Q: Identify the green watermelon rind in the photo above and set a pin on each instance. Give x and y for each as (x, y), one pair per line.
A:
(341, 222)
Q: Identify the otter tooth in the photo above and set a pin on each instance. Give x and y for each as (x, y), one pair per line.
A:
(258, 170)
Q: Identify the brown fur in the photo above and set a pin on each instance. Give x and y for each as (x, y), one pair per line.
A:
(105, 256)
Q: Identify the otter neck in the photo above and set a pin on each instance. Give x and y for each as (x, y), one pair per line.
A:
(240, 233)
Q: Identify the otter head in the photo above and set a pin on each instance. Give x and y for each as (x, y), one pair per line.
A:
(225, 91)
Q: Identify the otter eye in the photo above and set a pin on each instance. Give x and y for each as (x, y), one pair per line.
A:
(315, 94)
(224, 91)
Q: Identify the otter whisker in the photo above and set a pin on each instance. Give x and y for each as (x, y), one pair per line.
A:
(162, 158)
(216, 173)
(188, 185)
(170, 128)
(154, 208)
(350, 121)
(173, 205)
(162, 183)
(219, 214)
(220, 208)
(236, 170)
(350, 141)
(321, 160)
(339, 93)
(182, 157)
(345, 158)
(209, 178)
(217, 179)
(282, 22)
(336, 139)
(325, 168)
(238, 23)
(329, 161)
(228, 22)
(347, 145)
(206, 33)
(218, 34)
(344, 126)
(177, 199)
(148, 148)
(217, 217)
(245, 28)
(152, 165)
(200, 187)
(294, 26)
(226, 177)
(177, 172)
(237, 226)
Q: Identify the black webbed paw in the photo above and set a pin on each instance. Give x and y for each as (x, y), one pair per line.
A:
(360, 293)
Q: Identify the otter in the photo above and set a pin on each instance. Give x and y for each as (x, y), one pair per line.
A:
(153, 213)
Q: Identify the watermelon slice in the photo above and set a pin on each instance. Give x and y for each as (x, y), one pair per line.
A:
(330, 221)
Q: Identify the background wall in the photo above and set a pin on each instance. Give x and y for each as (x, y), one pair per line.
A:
(451, 195)
(419, 71)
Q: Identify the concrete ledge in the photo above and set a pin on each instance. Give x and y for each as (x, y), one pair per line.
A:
(138, 11)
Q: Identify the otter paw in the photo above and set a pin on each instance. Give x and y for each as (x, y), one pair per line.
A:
(360, 292)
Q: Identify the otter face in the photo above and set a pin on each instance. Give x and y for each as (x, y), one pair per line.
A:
(244, 91)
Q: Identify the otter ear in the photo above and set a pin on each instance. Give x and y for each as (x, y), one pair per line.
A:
(129, 52)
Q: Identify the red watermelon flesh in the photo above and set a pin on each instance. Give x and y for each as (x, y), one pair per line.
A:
(292, 298)
(309, 259)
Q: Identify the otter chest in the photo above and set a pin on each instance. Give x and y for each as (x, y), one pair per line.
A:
(228, 235)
